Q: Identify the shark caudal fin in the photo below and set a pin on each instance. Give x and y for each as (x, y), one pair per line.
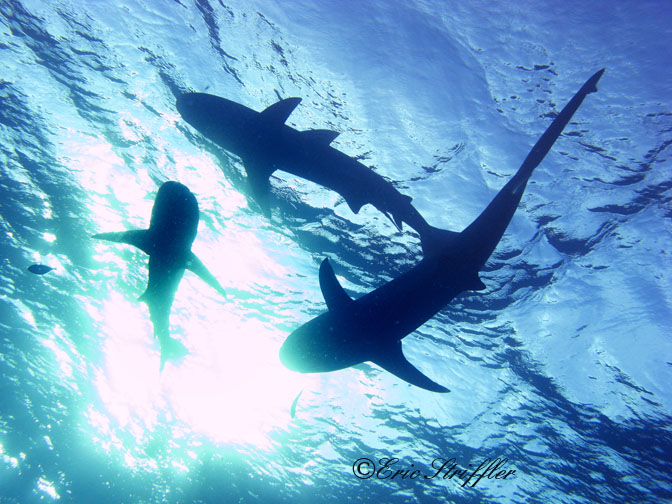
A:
(488, 228)
(435, 241)
(392, 359)
(139, 238)
(171, 349)
(552, 133)
(483, 235)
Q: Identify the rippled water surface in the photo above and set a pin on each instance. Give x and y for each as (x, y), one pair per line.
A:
(560, 366)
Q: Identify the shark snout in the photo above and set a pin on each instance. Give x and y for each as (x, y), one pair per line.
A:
(184, 103)
(287, 356)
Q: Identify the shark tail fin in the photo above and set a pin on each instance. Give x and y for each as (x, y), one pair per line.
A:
(488, 228)
(393, 360)
(139, 238)
(172, 349)
(434, 240)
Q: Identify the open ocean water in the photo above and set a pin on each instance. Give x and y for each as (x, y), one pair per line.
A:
(562, 366)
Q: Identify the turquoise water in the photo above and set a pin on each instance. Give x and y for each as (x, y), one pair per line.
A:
(560, 366)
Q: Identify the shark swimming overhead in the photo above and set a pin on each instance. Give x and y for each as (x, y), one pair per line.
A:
(172, 230)
(265, 143)
(371, 328)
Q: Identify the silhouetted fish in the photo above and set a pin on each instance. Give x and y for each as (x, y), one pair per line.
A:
(265, 144)
(168, 240)
(39, 269)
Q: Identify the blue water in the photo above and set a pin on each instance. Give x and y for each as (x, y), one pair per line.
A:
(562, 366)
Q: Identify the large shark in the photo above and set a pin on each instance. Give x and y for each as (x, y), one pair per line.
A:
(265, 143)
(172, 230)
(371, 328)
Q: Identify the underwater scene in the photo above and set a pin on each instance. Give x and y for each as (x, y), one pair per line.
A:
(335, 251)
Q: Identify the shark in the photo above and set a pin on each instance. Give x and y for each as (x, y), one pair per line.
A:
(371, 328)
(265, 144)
(167, 242)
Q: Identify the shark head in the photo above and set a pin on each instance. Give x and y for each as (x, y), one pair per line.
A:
(223, 121)
(175, 215)
(320, 345)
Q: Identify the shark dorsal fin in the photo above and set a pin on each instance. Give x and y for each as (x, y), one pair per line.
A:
(392, 359)
(278, 113)
(322, 136)
(337, 299)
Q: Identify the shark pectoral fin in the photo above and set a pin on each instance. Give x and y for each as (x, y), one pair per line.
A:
(336, 298)
(258, 175)
(277, 114)
(393, 360)
(322, 136)
(139, 238)
(195, 265)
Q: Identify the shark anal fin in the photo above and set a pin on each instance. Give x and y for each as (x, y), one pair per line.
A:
(139, 238)
(322, 136)
(336, 298)
(195, 265)
(277, 114)
(393, 360)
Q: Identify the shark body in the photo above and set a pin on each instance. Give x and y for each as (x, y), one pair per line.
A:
(168, 241)
(371, 328)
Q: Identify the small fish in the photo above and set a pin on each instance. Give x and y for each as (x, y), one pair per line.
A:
(39, 269)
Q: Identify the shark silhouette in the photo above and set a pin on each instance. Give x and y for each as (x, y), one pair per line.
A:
(371, 328)
(172, 230)
(265, 143)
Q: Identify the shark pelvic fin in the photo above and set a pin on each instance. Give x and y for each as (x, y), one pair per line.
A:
(337, 299)
(139, 238)
(393, 360)
(322, 136)
(277, 114)
(195, 265)
(258, 175)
